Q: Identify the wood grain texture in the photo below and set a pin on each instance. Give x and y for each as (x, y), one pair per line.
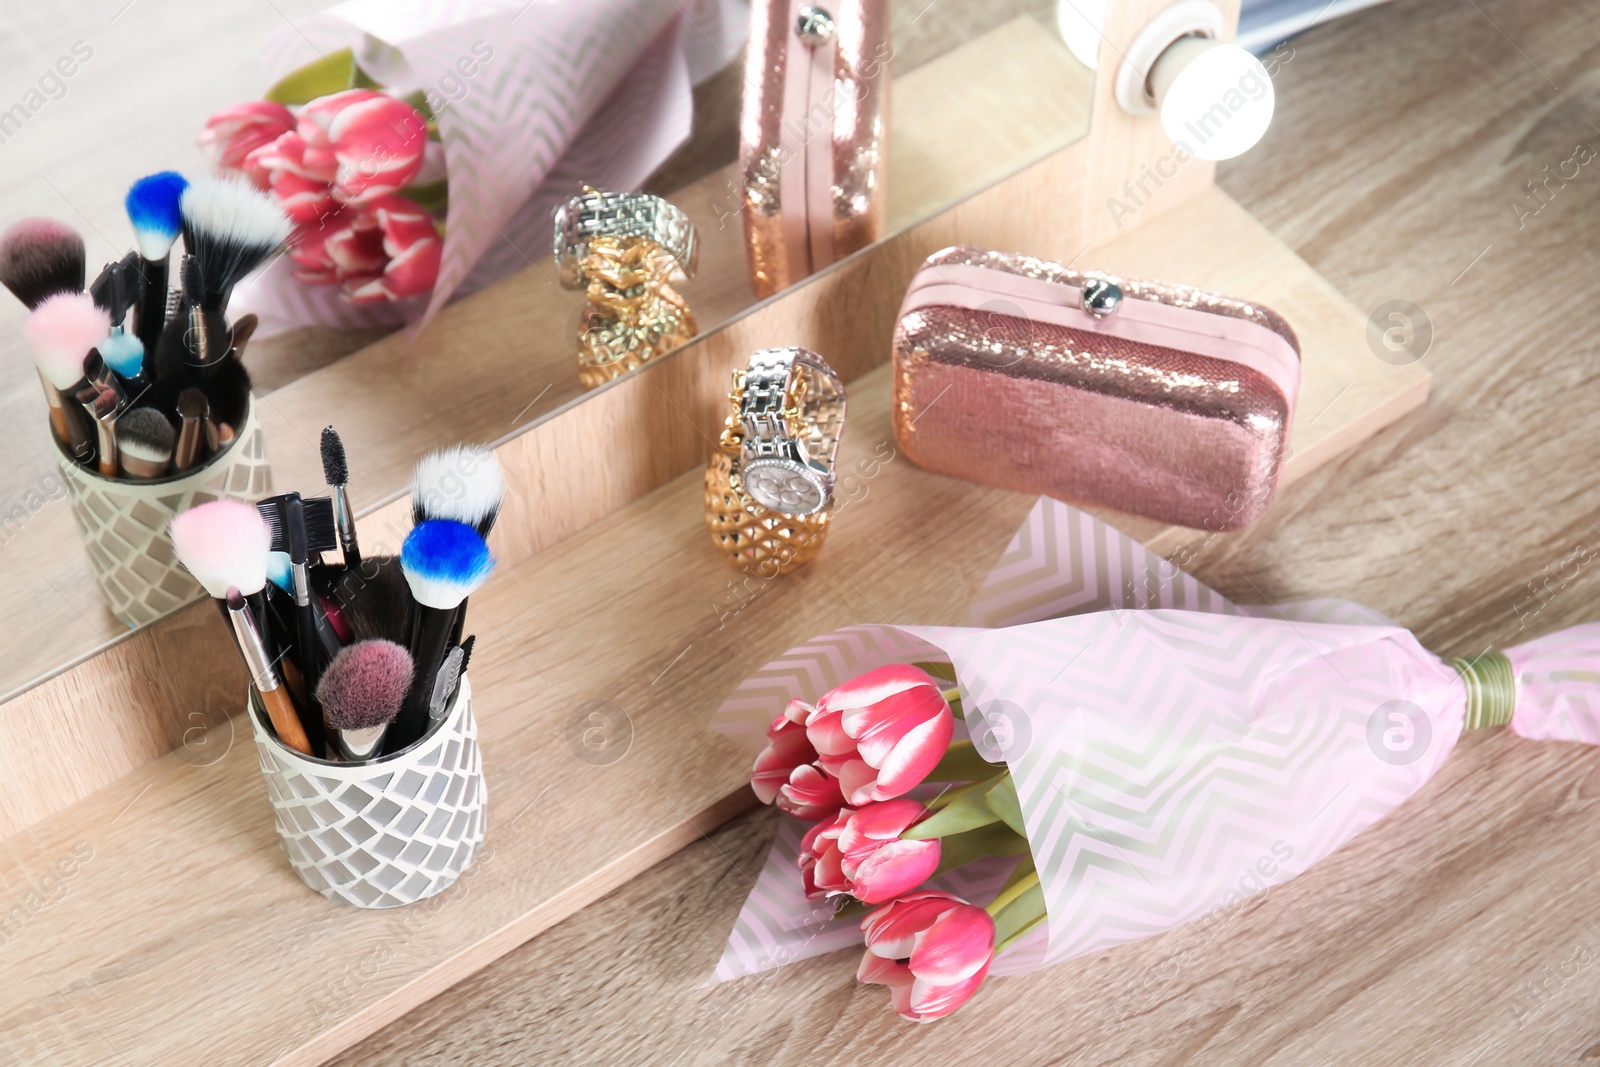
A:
(636, 619)
(1461, 930)
(513, 341)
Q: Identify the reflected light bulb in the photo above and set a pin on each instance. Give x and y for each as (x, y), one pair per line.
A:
(1215, 99)
(1081, 24)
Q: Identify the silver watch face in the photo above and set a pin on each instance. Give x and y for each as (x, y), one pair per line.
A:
(785, 486)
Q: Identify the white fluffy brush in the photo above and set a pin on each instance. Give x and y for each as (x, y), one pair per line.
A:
(231, 228)
(461, 484)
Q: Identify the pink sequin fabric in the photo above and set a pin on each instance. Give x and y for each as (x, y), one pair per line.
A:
(1032, 393)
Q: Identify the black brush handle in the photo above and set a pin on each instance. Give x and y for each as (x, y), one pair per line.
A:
(430, 638)
(152, 313)
(305, 632)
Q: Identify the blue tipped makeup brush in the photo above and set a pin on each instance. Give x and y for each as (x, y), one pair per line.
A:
(124, 354)
(152, 206)
(444, 562)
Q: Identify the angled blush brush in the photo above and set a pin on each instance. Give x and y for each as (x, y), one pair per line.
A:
(40, 258)
(361, 692)
(444, 562)
(153, 209)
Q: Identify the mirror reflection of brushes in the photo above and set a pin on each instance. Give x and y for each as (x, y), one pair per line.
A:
(145, 440)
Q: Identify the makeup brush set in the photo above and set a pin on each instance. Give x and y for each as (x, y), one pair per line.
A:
(354, 658)
(145, 381)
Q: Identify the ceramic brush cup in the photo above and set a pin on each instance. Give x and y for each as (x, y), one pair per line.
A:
(387, 832)
(123, 522)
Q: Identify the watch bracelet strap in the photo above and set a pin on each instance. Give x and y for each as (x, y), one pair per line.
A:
(822, 410)
(622, 215)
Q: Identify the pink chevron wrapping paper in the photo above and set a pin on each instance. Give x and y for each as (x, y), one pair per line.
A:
(596, 91)
(1173, 752)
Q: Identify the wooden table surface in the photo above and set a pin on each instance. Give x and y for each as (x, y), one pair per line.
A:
(1462, 930)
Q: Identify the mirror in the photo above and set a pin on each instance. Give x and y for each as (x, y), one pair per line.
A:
(981, 88)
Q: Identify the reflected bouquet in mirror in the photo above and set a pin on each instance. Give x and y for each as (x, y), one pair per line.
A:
(420, 146)
(359, 171)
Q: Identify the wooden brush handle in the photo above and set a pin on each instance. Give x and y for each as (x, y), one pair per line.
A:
(285, 720)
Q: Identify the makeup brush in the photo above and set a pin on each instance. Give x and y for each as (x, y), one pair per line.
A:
(193, 412)
(116, 287)
(274, 697)
(444, 683)
(463, 484)
(361, 693)
(337, 474)
(40, 258)
(60, 333)
(103, 398)
(230, 227)
(305, 630)
(280, 572)
(243, 329)
(144, 442)
(374, 599)
(444, 563)
(152, 205)
(466, 651)
(124, 354)
(321, 530)
(224, 544)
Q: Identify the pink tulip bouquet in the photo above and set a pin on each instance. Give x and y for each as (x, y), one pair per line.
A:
(358, 170)
(1125, 752)
(849, 762)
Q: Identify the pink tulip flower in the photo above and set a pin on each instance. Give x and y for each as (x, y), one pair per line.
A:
(882, 733)
(786, 772)
(374, 142)
(304, 193)
(931, 949)
(234, 132)
(859, 853)
(409, 240)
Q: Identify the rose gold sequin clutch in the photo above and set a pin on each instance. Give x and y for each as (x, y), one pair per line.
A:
(811, 151)
(1154, 399)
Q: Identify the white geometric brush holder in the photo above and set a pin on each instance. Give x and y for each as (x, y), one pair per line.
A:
(124, 523)
(386, 833)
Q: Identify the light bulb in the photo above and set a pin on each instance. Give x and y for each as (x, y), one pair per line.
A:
(1216, 99)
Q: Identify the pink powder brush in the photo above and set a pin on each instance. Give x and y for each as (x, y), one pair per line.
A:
(361, 692)
(60, 333)
(40, 258)
(224, 544)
